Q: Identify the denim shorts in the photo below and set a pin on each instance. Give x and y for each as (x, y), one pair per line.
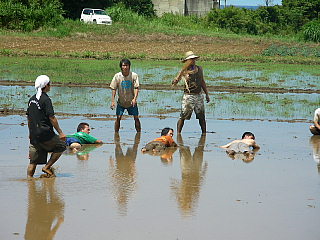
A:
(71, 140)
(131, 110)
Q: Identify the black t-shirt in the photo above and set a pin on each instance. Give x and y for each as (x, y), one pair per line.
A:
(39, 111)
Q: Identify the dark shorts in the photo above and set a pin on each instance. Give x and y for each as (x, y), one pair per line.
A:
(155, 145)
(314, 130)
(38, 153)
(71, 140)
(131, 110)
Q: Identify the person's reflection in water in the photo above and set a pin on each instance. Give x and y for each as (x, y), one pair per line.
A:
(166, 155)
(83, 152)
(45, 210)
(193, 173)
(245, 157)
(123, 172)
(315, 142)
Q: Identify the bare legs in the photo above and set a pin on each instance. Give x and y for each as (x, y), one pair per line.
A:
(46, 169)
(202, 123)
(117, 124)
(180, 124)
(137, 123)
(30, 170)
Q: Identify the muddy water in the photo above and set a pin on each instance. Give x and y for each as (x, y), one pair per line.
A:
(166, 103)
(114, 191)
(279, 75)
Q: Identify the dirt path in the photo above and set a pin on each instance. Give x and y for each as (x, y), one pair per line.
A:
(153, 45)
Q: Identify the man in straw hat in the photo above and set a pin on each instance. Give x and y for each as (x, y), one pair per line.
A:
(41, 121)
(194, 84)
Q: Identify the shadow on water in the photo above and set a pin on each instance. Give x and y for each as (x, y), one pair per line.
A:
(122, 172)
(45, 210)
(193, 171)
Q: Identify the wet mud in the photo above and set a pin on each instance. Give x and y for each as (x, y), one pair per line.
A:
(193, 191)
(237, 89)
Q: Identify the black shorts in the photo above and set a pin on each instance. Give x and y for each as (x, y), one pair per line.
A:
(38, 153)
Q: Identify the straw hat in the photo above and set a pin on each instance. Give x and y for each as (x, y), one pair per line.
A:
(189, 55)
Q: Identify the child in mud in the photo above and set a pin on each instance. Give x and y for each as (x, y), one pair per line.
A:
(161, 143)
(246, 145)
(82, 136)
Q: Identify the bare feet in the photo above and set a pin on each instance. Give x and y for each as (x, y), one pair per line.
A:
(48, 171)
(143, 150)
(30, 177)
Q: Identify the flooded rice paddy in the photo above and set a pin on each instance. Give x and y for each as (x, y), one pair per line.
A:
(241, 75)
(166, 103)
(196, 191)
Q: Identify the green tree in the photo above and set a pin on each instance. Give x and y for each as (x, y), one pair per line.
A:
(300, 12)
(28, 15)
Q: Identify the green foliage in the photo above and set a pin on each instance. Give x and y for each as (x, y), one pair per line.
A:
(29, 15)
(237, 20)
(142, 7)
(284, 50)
(311, 31)
(119, 13)
(300, 12)
(175, 20)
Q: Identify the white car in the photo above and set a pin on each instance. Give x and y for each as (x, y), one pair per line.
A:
(97, 16)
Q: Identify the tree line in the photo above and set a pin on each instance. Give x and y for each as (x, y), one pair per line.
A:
(291, 17)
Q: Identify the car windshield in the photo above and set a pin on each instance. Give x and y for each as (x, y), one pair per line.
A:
(99, 12)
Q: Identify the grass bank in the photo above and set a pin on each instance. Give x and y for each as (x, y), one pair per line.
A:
(161, 39)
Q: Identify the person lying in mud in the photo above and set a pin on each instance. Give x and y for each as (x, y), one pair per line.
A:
(41, 121)
(247, 146)
(315, 129)
(82, 136)
(162, 142)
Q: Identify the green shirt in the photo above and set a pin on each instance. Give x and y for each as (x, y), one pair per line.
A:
(83, 137)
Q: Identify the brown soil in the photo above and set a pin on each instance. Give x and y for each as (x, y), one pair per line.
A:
(169, 87)
(153, 45)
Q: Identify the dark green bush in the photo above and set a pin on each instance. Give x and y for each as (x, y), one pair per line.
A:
(237, 20)
(311, 31)
(30, 15)
(120, 13)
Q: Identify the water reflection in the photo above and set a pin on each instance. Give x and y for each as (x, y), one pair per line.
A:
(166, 156)
(45, 210)
(247, 157)
(83, 153)
(123, 172)
(193, 171)
(315, 142)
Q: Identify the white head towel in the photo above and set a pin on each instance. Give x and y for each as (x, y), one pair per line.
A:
(40, 83)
